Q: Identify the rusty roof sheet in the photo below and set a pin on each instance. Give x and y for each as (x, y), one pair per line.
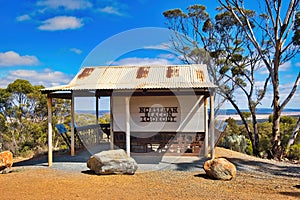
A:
(139, 77)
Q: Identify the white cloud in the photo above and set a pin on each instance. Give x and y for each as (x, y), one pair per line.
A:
(162, 46)
(61, 23)
(263, 70)
(260, 84)
(66, 4)
(134, 61)
(75, 50)
(167, 56)
(46, 77)
(11, 58)
(297, 64)
(23, 18)
(284, 89)
(285, 66)
(110, 10)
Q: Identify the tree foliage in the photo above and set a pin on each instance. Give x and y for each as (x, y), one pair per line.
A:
(235, 137)
(23, 117)
(234, 44)
(273, 31)
(296, 29)
(221, 44)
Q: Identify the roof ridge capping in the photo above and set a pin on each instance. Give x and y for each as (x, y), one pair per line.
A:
(144, 65)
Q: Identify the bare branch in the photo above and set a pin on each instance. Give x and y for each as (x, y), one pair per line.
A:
(264, 91)
(291, 94)
(249, 31)
(270, 12)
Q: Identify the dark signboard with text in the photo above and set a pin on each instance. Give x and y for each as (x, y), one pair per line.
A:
(158, 114)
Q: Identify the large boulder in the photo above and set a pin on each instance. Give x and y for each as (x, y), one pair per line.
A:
(112, 162)
(220, 169)
(6, 161)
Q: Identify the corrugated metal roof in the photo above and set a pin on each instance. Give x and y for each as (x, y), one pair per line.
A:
(139, 77)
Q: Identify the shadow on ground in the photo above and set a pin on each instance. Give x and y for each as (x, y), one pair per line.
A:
(275, 168)
(65, 161)
(58, 157)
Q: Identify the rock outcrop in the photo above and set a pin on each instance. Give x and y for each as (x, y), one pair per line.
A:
(220, 169)
(6, 161)
(112, 162)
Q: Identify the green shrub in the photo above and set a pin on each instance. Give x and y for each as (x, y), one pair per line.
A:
(249, 149)
(235, 142)
(26, 150)
(294, 152)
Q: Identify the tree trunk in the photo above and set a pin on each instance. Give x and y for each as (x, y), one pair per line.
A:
(276, 147)
(255, 133)
(15, 144)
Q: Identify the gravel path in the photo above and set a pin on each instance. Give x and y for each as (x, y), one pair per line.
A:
(164, 178)
(244, 163)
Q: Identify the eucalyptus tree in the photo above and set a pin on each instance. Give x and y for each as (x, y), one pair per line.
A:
(23, 116)
(220, 43)
(274, 32)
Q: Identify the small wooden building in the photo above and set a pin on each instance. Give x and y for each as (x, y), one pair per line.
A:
(150, 105)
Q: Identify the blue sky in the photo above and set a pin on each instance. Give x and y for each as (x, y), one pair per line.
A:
(47, 41)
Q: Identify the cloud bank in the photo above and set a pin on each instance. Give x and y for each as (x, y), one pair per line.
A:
(61, 23)
(11, 58)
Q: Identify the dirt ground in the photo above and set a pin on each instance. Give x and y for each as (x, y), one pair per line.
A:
(49, 183)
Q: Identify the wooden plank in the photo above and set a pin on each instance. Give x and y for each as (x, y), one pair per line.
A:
(111, 123)
(206, 128)
(50, 151)
(127, 124)
(212, 126)
(72, 126)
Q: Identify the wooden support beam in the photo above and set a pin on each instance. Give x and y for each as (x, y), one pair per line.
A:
(97, 110)
(50, 150)
(72, 126)
(111, 137)
(127, 124)
(97, 119)
(206, 128)
(212, 126)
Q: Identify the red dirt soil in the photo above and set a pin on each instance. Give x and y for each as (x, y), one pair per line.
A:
(48, 183)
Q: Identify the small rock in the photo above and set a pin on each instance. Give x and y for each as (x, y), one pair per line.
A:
(220, 169)
(112, 162)
(6, 161)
